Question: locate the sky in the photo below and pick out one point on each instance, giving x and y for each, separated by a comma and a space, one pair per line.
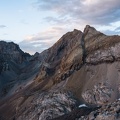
37, 24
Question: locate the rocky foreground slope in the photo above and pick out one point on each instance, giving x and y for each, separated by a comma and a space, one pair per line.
82, 67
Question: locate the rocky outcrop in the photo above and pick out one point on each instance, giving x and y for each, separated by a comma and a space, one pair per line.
100, 94
107, 55
99, 47
109, 111
48, 105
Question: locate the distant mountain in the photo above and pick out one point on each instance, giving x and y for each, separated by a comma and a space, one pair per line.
81, 68
13, 62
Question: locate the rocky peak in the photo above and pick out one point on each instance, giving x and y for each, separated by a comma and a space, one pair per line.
89, 28
11, 51
64, 46
75, 30
35, 57
7, 47
90, 32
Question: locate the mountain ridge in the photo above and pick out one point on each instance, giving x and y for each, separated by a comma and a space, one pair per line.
82, 67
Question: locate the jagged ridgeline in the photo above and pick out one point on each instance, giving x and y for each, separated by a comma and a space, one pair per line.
80, 68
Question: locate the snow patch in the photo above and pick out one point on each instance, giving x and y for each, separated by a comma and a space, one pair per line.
82, 105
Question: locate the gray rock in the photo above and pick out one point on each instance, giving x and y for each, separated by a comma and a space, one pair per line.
50, 105
100, 94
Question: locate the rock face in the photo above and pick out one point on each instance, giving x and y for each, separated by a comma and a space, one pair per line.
48, 105
64, 55
82, 67
100, 94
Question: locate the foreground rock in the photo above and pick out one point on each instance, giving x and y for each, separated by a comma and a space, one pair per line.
46, 106
109, 111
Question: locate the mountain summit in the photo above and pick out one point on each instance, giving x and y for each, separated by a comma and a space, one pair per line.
80, 68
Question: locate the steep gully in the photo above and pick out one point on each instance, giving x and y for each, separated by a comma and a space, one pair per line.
77, 66
83, 49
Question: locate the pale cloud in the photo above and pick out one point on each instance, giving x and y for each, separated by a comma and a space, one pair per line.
42, 40
117, 29
111, 29
70, 14
45, 35
20, 11
24, 22
104, 15
3, 26
5, 34
93, 11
